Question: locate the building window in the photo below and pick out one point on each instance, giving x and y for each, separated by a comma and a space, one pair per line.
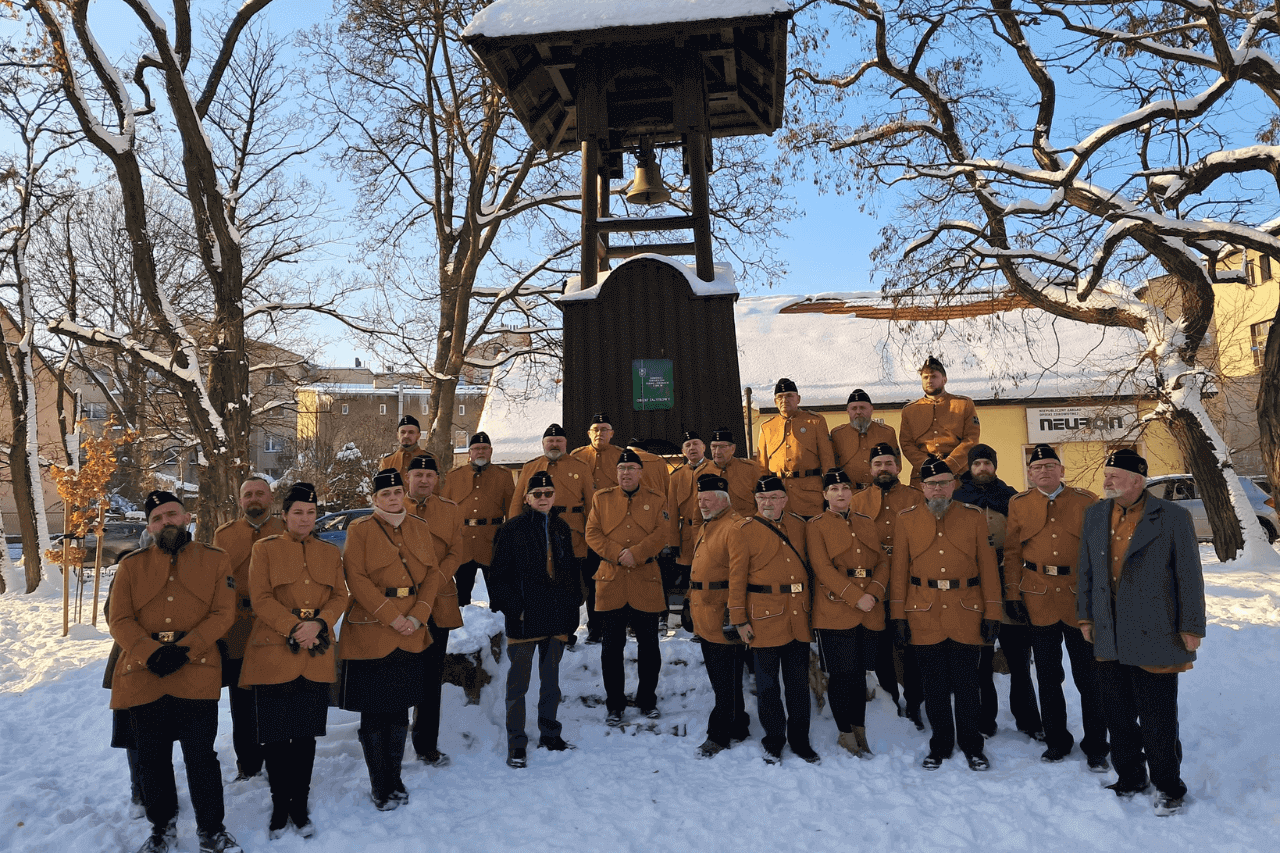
1258, 333
272, 378
1264, 267
95, 411
344, 408
424, 407
382, 408
459, 438
272, 445
462, 410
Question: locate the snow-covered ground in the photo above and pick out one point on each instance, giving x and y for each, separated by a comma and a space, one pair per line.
62, 788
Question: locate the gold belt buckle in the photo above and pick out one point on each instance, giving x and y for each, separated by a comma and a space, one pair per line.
167, 636
858, 573
1050, 570
793, 587
304, 613
946, 584
402, 591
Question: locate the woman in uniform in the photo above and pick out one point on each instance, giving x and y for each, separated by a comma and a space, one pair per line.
393, 577
298, 590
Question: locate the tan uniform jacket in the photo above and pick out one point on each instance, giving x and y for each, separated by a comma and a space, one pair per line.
286, 575
682, 504
484, 496
639, 523
742, 474
153, 593
847, 563
798, 445
379, 557
710, 568
572, 479
656, 474
603, 464
400, 459
852, 449
954, 549
445, 520
1047, 533
945, 425
237, 538
759, 558
884, 508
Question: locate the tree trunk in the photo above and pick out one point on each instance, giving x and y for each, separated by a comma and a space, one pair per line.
1268, 407
440, 439
1211, 485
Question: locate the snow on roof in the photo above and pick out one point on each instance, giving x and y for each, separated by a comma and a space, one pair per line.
724, 283
521, 404
1009, 355
535, 17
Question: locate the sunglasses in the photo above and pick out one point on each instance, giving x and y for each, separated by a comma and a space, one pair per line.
540, 494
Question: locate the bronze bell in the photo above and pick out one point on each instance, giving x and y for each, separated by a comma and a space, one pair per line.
647, 186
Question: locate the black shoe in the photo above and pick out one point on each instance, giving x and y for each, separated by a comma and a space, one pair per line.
1098, 764
279, 821
517, 758
978, 761
912, 713
710, 749
571, 642
807, 753
434, 758
1167, 805
1125, 790
614, 719
1037, 735
157, 842
933, 760
773, 755
989, 733
218, 842
653, 713
384, 804
555, 743
242, 776
1053, 755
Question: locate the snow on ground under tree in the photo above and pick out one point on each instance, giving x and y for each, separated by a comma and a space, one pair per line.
62, 788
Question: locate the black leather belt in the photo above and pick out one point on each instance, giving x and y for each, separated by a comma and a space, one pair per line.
400, 591
946, 584
304, 612
567, 509
858, 573
481, 522
795, 475
1052, 571
168, 637
783, 588
709, 585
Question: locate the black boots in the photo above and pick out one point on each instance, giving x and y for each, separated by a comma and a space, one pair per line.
383, 754
289, 765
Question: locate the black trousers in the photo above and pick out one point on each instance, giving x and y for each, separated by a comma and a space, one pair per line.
847, 655
465, 578
790, 726
950, 670
886, 671
1046, 642
550, 651
289, 765
244, 719
194, 724
1142, 714
588, 567
614, 641
426, 716
1015, 641
728, 720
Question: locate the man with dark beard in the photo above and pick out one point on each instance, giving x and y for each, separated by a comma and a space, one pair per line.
169, 605
938, 423
407, 434
980, 487
852, 442
237, 538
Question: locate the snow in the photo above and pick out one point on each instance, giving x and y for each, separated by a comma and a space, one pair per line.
519, 407
533, 17
724, 283
63, 788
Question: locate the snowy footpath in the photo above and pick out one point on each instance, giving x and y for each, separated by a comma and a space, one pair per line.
640, 788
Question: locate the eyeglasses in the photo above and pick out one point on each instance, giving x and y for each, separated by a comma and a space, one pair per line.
765, 496
1042, 466
542, 494
629, 469
936, 484
599, 429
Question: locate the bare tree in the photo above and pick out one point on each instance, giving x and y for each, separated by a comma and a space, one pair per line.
998, 179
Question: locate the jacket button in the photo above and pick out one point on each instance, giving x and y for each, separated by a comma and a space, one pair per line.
944, 607
130, 666
170, 577
306, 580
171, 598
167, 619
942, 569
942, 552
201, 660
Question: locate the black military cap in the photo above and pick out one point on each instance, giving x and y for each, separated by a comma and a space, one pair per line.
1041, 452
723, 434
785, 386
1127, 459
387, 478
857, 396
408, 420
884, 448
300, 493
930, 364
835, 477
630, 457
769, 483
601, 418
423, 462
712, 483
539, 480
983, 451
479, 438
690, 435
554, 431
159, 498
933, 466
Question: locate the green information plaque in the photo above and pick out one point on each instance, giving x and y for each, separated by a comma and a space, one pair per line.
652, 387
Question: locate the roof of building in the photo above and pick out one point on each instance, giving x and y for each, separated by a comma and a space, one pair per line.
536, 17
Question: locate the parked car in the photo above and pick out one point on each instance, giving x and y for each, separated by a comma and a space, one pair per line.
333, 527
1182, 489
121, 538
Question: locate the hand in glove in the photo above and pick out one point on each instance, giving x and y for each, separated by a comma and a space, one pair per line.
901, 632
167, 660
1017, 612
990, 630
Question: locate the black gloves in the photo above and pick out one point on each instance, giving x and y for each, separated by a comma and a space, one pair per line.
167, 660
322, 639
990, 630
1017, 612
901, 632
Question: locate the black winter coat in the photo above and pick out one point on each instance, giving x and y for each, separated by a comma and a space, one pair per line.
534, 603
